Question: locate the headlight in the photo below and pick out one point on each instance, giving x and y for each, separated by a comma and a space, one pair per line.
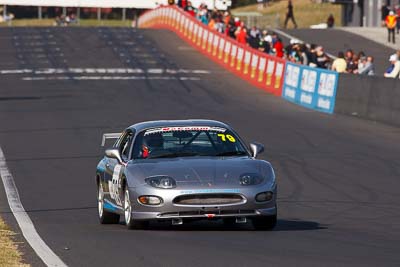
164, 182
250, 179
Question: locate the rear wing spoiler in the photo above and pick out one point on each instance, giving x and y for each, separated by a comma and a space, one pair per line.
109, 136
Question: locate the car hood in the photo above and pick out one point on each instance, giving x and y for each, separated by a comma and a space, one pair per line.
199, 171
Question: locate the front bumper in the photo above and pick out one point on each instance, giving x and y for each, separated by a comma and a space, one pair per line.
168, 210
203, 214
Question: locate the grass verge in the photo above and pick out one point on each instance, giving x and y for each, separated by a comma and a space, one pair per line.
9, 254
306, 13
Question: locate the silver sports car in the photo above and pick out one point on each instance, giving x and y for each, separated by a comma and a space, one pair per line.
184, 170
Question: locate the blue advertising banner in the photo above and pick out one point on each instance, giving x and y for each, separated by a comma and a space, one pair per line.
310, 87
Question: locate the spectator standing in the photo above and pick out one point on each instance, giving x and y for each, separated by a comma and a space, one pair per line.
303, 54
182, 4
290, 14
322, 58
254, 37
391, 22
231, 30
352, 67
278, 47
394, 68
211, 24
237, 22
362, 59
398, 18
312, 56
190, 9
367, 67
226, 18
203, 18
349, 60
339, 64
384, 13
330, 22
265, 44
241, 35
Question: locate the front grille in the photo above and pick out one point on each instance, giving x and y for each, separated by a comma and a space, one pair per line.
200, 213
208, 199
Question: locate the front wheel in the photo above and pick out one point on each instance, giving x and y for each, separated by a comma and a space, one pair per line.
265, 222
129, 221
105, 216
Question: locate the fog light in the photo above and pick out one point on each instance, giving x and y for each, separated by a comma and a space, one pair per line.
150, 200
264, 196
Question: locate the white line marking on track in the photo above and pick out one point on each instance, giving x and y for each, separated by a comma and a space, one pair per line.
23, 220
88, 78
102, 70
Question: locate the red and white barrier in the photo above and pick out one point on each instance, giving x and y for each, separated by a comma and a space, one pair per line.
260, 69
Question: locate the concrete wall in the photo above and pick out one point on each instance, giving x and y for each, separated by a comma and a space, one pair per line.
373, 98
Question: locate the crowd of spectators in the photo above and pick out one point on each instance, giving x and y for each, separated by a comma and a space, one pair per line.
270, 43
65, 20
351, 62
296, 51
265, 41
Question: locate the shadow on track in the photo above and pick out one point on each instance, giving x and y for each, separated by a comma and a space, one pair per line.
218, 225
13, 98
206, 225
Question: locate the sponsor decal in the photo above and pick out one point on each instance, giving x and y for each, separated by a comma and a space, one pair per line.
278, 74
261, 68
187, 128
254, 63
270, 71
115, 184
247, 59
110, 206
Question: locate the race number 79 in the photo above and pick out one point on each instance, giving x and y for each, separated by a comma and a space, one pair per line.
228, 137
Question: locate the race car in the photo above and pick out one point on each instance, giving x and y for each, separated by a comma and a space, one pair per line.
183, 170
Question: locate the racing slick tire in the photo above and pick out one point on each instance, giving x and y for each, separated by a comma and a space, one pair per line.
264, 222
105, 216
129, 221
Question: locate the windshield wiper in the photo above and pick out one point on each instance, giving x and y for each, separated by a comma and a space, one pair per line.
174, 155
231, 153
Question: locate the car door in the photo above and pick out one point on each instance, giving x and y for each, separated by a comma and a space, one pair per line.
115, 170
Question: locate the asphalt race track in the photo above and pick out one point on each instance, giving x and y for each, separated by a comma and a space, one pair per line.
338, 176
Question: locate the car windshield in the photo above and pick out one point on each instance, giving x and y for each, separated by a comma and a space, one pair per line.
170, 142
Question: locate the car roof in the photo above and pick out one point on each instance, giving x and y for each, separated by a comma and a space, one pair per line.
177, 123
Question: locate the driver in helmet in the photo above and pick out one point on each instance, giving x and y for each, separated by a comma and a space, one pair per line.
151, 143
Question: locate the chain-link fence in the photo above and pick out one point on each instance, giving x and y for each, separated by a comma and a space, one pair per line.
261, 21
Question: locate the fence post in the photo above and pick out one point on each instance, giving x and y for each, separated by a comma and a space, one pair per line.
4, 11
124, 14
39, 12
98, 13
136, 18
78, 15
277, 20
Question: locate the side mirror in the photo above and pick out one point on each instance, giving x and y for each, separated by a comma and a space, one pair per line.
114, 154
256, 148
